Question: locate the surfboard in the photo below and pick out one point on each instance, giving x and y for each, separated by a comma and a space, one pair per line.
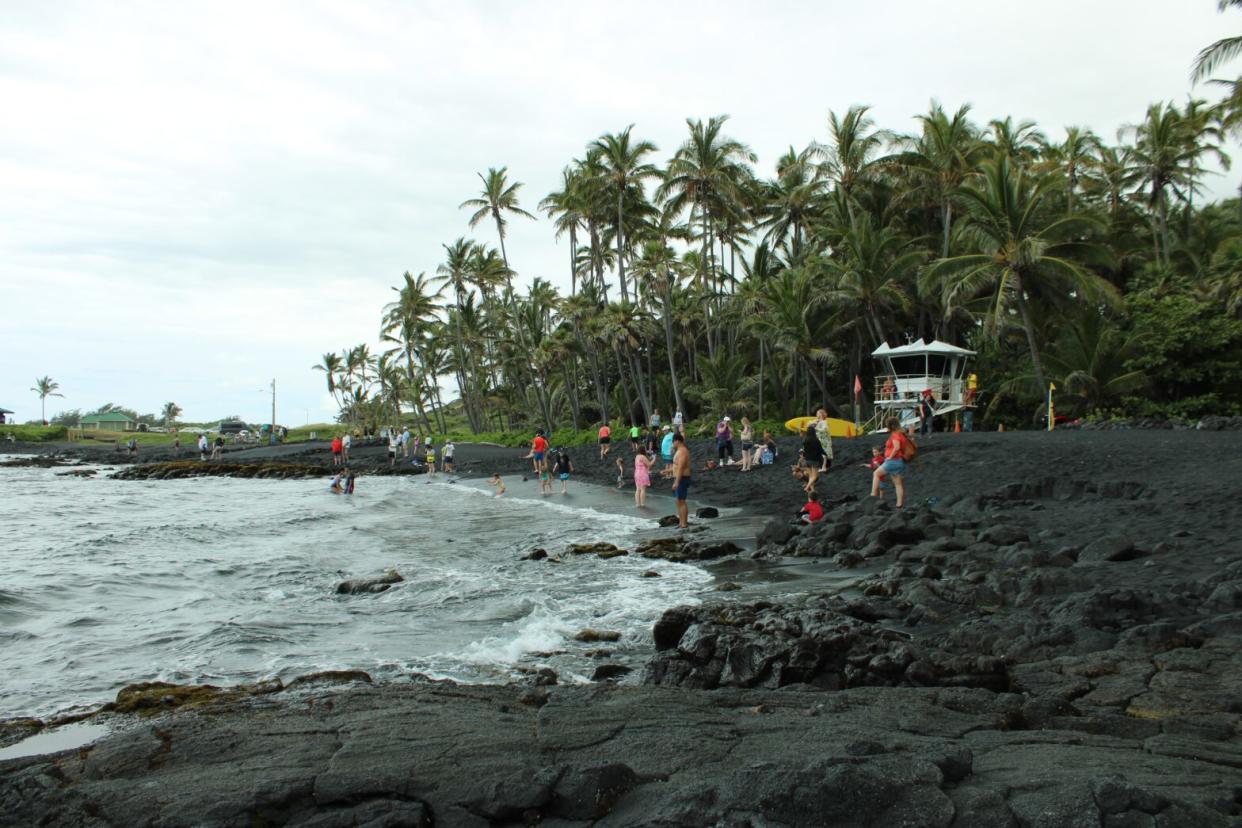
836, 427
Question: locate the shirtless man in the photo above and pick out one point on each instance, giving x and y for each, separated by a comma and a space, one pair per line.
681, 478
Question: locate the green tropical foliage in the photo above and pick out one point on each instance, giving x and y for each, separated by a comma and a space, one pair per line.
699, 282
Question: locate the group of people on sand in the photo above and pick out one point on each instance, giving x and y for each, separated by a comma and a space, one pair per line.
545, 463
888, 464
399, 443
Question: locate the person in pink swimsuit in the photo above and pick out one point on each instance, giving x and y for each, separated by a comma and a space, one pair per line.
642, 478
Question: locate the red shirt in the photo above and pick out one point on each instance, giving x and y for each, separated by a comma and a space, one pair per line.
604, 431
813, 511
540, 445
336, 445
875, 462
893, 448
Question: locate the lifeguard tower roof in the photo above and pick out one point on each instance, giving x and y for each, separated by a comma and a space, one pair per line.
918, 346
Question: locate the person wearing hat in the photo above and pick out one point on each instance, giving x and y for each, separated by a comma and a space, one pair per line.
724, 442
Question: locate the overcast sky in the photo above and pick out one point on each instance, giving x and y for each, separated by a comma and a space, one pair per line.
198, 197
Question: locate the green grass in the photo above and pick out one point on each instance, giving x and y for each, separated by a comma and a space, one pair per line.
33, 433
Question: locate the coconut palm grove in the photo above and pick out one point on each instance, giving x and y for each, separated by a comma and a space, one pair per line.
700, 282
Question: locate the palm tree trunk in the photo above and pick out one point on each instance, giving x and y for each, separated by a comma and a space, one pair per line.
621, 245
946, 218
668, 342
1025, 310
625, 386
573, 260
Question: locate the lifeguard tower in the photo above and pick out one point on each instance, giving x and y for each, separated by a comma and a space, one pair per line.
905, 372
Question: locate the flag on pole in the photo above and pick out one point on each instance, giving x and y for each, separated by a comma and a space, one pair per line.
857, 386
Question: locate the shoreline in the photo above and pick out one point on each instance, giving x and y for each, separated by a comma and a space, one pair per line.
1049, 632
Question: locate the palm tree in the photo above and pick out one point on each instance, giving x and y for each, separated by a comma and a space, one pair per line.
941, 157
790, 201
624, 169
45, 387
1078, 153
1019, 255
498, 197
1018, 142
869, 273
849, 156
170, 414
1222, 51
1163, 159
707, 176
567, 208
331, 366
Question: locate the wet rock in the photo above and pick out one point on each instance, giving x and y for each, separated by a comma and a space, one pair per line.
669, 520
535, 555
1108, 548
707, 512
590, 635
776, 532
651, 573
601, 549
364, 586
728, 586
607, 672
331, 677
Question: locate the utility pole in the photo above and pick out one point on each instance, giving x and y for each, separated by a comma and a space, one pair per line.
272, 434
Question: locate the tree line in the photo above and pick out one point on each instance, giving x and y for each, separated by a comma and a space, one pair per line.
699, 283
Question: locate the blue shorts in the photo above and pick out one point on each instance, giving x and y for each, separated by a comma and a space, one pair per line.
539, 457
893, 466
682, 488
564, 475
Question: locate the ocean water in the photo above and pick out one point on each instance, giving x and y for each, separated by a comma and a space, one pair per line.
217, 580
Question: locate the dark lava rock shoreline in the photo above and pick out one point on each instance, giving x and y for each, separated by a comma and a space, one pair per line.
1052, 637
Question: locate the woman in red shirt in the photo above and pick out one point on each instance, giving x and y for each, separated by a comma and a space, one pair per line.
894, 465
605, 440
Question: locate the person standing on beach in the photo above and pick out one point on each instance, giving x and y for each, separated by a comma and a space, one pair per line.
346, 443
927, 412
538, 452
405, 443
896, 450
823, 433
642, 479
564, 467
447, 462
605, 441
813, 455
748, 442
679, 422
635, 440
666, 446
654, 422
202, 447
431, 458
217, 447
336, 450
681, 479
724, 442
393, 440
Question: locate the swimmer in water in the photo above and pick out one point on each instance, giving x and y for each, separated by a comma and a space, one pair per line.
498, 483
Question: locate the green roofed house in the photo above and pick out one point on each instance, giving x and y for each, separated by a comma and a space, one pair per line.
111, 421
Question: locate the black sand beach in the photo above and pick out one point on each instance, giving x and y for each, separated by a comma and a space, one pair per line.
1049, 634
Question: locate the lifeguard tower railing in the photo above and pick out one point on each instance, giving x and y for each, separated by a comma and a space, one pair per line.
904, 373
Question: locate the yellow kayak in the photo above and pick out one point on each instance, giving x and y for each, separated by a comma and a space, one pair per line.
837, 428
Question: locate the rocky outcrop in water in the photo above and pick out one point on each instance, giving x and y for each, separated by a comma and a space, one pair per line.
369, 586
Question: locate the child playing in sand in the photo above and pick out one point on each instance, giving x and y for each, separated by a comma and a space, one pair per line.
498, 483
642, 479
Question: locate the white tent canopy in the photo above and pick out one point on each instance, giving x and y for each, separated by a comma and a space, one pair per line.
918, 347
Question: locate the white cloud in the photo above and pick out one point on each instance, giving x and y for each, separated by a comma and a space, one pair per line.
197, 197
